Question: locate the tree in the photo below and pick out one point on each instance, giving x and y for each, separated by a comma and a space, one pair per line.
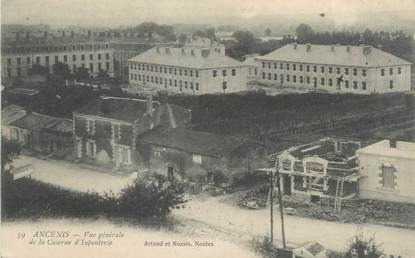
10, 150
81, 73
182, 39
103, 74
304, 33
39, 69
245, 43
267, 32
61, 70
151, 196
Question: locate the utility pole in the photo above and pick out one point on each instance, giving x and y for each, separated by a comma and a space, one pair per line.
272, 208
280, 203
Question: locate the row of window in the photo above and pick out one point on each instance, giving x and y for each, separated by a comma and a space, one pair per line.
161, 81
224, 72
74, 68
322, 69
164, 69
65, 59
21, 50
322, 81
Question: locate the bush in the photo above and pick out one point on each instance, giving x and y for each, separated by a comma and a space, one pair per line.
151, 196
364, 248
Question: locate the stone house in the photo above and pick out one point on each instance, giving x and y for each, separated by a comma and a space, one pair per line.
43, 134
204, 157
105, 130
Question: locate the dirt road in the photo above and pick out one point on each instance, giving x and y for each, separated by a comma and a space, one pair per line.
332, 235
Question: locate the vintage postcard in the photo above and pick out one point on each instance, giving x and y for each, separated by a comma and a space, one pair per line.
220, 128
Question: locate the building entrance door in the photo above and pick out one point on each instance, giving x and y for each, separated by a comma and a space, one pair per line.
170, 172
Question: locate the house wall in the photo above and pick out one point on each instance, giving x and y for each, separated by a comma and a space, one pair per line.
234, 83
31, 55
102, 136
158, 158
296, 74
170, 78
370, 185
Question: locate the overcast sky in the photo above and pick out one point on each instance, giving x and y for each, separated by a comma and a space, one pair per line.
125, 12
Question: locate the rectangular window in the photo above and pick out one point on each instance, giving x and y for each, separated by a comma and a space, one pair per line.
314, 68
294, 78
197, 86
275, 76
28, 60
363, 72
263, 76
346, 71
288, 77
294, 67
330, 82
322, 69
391, 84
185, 72
9, 61
287, 66
99, 56
330, 69
91, 67
354, 84
90, 126
73, 57
390, 71
107, 56
382, 72
233, 72
322, 81
269, 76
197, 73
18, 60
83, 57
214, 73
197, 159
346, 83
282, 66
399, 70
338, 70
38, 60
363, 85
301, 79
263, 64
307, 68
275, 65
91, 57
224, 73
301, 67
388, 177
107, 66
354, 71
308, 79
269, 65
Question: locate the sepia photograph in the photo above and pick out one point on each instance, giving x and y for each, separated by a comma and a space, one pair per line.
207, 128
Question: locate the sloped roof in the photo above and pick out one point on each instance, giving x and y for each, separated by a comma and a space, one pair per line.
61, 126
183, 57
190, 141
33, 121
124, 109
11, 113
361, 56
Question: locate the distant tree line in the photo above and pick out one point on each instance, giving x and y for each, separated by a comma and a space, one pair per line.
397, 43
147, 29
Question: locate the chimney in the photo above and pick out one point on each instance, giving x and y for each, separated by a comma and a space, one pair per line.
348, 49
27, 35
367, 50
295, 45
205, 52
332, 48
149, 104
308, 47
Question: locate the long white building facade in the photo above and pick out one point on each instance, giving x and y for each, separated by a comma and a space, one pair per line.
335, 68
188, 70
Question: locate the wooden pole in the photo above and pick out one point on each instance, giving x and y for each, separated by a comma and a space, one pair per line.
272, 208
281, 207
